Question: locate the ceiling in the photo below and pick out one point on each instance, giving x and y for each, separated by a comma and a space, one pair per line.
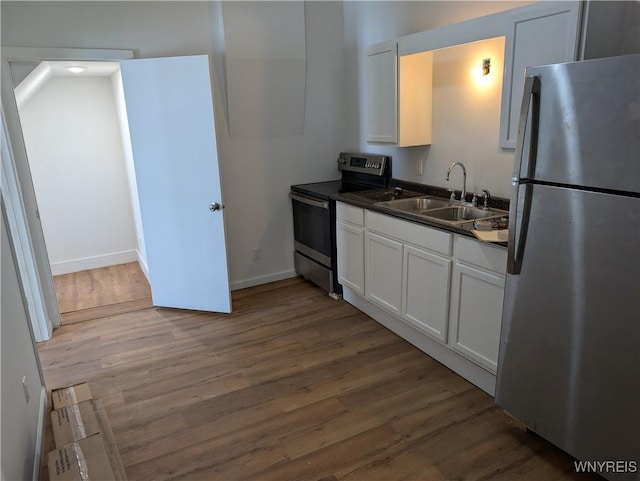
40, 75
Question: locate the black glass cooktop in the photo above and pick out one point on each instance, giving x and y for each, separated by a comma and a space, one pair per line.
323, 190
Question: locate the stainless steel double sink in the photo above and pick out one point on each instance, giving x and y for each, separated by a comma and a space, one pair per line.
440, 210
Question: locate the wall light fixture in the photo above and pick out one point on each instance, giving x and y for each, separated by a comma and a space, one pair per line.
486, 66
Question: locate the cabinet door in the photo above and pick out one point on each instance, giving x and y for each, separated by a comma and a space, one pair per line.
476, 314
546, 33
382, 93
415, 94
383, 257
425, 299
350, 251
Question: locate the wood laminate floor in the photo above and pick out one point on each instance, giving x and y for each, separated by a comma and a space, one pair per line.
291, 385
102, 292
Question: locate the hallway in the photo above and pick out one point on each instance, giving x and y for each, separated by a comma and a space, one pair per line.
102, 292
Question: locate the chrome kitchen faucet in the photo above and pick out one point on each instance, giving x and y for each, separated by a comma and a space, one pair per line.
463, 194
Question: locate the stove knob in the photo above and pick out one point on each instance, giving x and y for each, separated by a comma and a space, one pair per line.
342, 161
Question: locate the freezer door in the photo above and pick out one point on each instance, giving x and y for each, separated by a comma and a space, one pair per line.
588, 124
568, 364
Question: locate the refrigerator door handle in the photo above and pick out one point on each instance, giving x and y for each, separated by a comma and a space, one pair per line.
530, 98
518, 229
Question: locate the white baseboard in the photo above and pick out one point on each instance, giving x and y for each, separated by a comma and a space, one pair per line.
256, 281
143, 265
95, 262
42, 422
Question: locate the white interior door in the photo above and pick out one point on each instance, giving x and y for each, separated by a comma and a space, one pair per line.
173, 137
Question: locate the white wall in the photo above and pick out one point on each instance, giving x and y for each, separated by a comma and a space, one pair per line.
370, 22
127, 152
22, 421
256, 172
466, 119
73, 140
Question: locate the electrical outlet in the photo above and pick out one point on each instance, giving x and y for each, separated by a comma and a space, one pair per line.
419, 167
256, 253
25, 388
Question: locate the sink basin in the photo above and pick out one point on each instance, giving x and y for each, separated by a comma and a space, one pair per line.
416, 204
441, 210
459, 213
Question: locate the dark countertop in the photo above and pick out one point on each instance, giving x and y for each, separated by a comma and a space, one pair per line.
369, 199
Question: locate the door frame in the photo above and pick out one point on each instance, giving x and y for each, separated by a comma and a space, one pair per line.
18, 191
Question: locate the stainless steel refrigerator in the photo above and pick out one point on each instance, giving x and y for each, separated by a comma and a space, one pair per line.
569, 363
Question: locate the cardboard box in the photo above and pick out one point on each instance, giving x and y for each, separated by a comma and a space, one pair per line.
75, 422
67, 396
84, 460
79, 421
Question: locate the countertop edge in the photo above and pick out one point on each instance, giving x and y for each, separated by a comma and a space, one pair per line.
354, 199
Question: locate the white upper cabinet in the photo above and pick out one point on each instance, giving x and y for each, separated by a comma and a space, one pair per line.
398, 96
382, 97
415, 92
542, 34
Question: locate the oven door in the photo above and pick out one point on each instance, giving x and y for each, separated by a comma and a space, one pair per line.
312, 228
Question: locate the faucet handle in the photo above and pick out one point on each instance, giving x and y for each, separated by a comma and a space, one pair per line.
452, 194
486, 196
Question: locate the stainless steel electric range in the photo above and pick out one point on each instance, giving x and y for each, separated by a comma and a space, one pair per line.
314, 215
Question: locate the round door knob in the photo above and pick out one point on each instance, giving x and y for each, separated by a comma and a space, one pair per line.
215, 206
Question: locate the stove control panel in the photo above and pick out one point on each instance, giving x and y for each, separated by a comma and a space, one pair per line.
364, 163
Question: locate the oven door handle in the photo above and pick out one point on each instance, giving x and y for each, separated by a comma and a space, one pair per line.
323, 204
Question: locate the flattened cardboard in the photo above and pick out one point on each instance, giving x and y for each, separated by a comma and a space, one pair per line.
84, 460
67, 396
501, 235
75, 422
110, 441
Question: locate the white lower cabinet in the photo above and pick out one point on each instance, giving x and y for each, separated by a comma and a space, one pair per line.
438, 286
407, 271
350, 246
425, 300
476, 301
383, 271
476, 314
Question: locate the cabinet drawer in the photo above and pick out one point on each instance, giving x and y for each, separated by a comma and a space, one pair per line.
419, 235
349, 213
482, 254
